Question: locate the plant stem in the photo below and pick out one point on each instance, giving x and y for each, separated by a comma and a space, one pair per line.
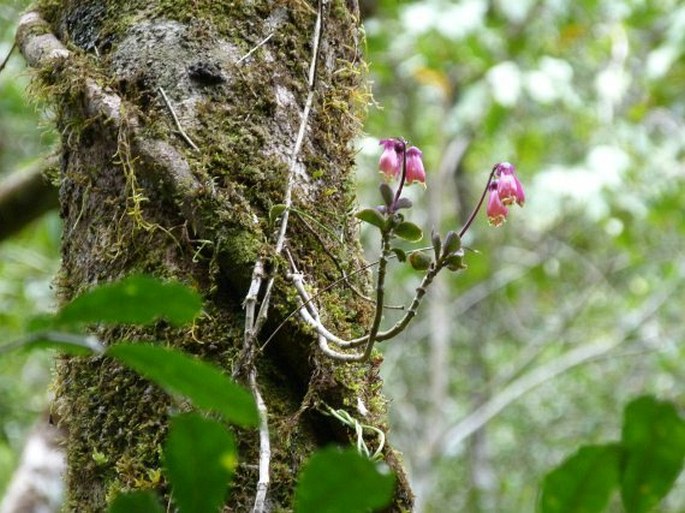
480, 204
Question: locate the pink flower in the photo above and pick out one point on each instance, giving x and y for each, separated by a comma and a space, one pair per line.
496, 210
509, 188
415, 170
391, 158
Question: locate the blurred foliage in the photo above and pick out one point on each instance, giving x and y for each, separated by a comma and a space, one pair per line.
585, 99
28, 262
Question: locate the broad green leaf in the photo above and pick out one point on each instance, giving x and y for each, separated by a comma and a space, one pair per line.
419, 261
338, 480
200, 457
135, 502
387, 193
136, 299
583, 483
201, 382
371, 216
409, 231
653, 439
275, 212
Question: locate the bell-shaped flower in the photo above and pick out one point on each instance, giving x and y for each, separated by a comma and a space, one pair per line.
415, 170
390, 163
496, 210
509, 188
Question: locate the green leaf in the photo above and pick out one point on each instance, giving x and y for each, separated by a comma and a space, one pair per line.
136, 299
437, 243
419, 261
653, 439
401, 255
371, 216
338, 480
455, 261
201, 382
388, 195
583, 483
135, 502
409, 231
451, 244
200, 457
275, 212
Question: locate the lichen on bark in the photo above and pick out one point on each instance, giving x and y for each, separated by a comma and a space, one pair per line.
135, 197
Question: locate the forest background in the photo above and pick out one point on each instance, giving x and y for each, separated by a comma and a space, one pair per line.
564, 315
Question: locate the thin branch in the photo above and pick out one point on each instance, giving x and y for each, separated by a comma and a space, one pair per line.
288, 200
264, 446
259, 45
185, 136
7, 57
253, 326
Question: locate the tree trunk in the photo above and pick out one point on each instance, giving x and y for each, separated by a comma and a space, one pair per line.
136, 196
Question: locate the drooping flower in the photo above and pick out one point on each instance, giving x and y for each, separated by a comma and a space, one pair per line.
509, 187
496, 210
415, 170
390, 162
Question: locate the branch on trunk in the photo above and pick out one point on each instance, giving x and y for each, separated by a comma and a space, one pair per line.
41, 49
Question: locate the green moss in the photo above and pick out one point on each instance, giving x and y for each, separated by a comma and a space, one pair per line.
120, 217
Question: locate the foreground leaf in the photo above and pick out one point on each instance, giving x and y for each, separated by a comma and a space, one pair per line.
134, 300
653, 439
70, 343
582, 483
202, 383
341, 481
135, 502
200, 457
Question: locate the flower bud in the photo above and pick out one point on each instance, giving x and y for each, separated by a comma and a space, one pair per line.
496, 210
509, 188
390, 162
415, 170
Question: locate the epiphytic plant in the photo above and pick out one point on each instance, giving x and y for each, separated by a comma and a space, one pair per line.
403, 162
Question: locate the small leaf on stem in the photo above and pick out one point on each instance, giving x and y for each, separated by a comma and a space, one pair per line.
275, 212
409, 231
451, 244
386, 192
437, 243
419, 261
403, 203
455, 261
401, 255
371, 216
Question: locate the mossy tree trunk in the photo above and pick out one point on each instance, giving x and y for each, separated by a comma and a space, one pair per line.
136, 197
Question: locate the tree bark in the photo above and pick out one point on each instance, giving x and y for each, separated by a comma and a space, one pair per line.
182, 188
